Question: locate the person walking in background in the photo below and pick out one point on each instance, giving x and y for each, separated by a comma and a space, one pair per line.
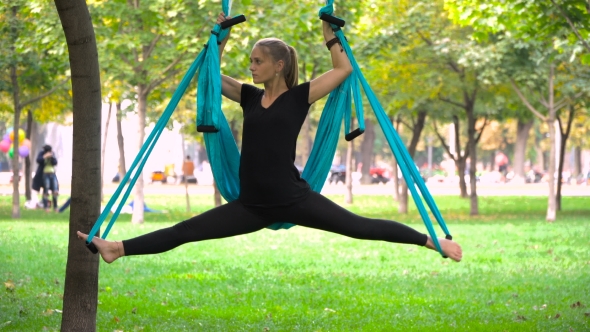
45, 177
502, 162
188, 169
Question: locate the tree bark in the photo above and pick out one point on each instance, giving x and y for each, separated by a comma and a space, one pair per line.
552, 203
416, 132
395, 165
16, 124
138, 202
563, 142
216, 195
81, 282
577, 160
349, 169
472, 146
367, 151
122, 169
522, 136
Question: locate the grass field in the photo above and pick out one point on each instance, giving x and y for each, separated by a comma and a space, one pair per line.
519, 273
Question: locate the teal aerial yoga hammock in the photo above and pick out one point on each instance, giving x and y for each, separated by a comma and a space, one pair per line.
222, 149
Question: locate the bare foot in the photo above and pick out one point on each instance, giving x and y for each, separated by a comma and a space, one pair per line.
108, 250
450, 248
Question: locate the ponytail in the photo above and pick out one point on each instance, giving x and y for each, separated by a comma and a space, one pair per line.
292, 73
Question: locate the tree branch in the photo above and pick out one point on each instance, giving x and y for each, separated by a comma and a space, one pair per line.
165, 74
442, 141
526, 102
406, 124
571, 24
451, 102
564, 101
41, 96
485, 122
148, 52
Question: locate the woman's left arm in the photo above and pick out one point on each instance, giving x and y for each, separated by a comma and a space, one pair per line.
329, 80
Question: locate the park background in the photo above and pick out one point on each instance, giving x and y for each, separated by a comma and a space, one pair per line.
460, 80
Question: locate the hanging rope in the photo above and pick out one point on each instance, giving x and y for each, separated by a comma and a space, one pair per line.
222, 148
405, 161
207, 59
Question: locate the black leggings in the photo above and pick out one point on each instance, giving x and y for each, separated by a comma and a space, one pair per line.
234, 218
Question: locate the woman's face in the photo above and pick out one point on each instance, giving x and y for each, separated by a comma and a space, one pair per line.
262, 66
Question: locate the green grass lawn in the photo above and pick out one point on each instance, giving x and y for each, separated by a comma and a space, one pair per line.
519, 273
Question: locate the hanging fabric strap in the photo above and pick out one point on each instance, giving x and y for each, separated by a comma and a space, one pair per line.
405, 161
202, 63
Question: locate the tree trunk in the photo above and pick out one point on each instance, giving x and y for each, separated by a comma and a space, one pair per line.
122, 169
563, 142
102, 152
577, 160
395, 165
349, 170
522, 136
540, 154
138, 202
461, 165
472, 147
16, 125
416, 132
460, 160
81, 281
216, 195
367, 151
28, 170
551, 204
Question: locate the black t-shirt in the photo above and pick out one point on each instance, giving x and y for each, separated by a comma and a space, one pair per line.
268, 176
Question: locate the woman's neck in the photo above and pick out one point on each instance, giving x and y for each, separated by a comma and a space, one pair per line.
275, 88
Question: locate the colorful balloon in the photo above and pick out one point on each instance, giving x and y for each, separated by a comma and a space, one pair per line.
23, 151
21, 135
6, 137
4, 145
10, 152
26, 143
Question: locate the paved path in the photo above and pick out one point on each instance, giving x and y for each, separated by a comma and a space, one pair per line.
537, 189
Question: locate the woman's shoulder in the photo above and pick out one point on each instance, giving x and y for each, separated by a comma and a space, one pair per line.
300, 91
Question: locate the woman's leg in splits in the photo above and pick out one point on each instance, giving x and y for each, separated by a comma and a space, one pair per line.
224, 221
319, 212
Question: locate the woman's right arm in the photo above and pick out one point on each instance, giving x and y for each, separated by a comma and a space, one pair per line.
230, 88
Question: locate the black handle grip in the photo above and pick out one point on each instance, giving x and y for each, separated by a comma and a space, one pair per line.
233, 21
332, 19
207, 129
92, 248
353, 134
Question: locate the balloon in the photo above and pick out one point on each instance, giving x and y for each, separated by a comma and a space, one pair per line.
10, 152
6, 137
4, 145
23, 151
9, 130
21, 135
26, 143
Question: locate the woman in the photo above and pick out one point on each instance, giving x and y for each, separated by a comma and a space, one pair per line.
45, 177
272, 191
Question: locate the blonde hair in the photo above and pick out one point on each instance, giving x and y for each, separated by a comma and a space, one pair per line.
279, 50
